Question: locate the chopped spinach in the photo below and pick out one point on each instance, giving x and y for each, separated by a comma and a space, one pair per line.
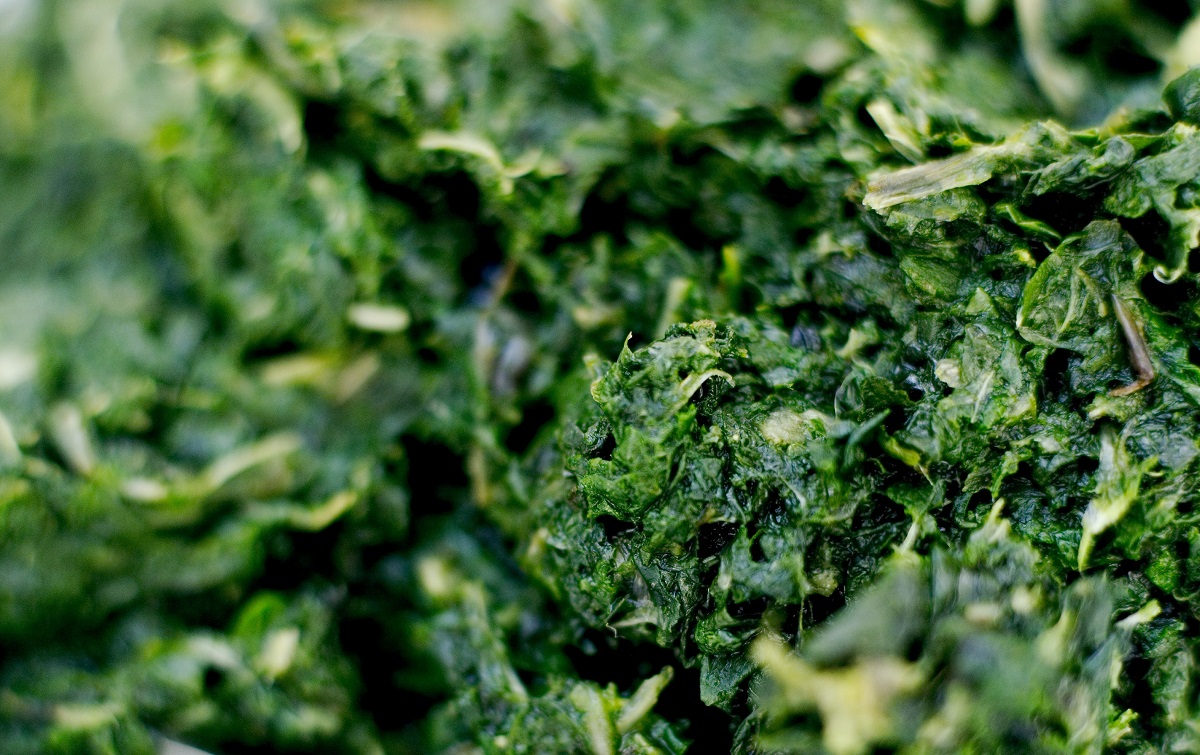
598, 376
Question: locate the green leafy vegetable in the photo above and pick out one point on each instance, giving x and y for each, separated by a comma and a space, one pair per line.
599, 377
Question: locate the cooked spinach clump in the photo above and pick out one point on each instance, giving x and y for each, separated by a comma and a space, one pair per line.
599, 377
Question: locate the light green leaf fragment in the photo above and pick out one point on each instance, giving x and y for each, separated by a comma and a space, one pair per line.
1035, 145
856, 341
1063, 82
144, 490
595, 717
949, 371
1117, 483
10, 450
278, 652
786, 426
71, 437
1146, 613
980, 12
322, 516
469, 144
1185, 53
83, 717
297, 369
643, 699
1120, 727
171, 747
692, 383
855, 702
677, 291
239, 460
970, 168
16, 368
907, 455
380, 318
437, 578
898, 128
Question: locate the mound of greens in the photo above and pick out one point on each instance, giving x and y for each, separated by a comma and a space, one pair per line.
599, 376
